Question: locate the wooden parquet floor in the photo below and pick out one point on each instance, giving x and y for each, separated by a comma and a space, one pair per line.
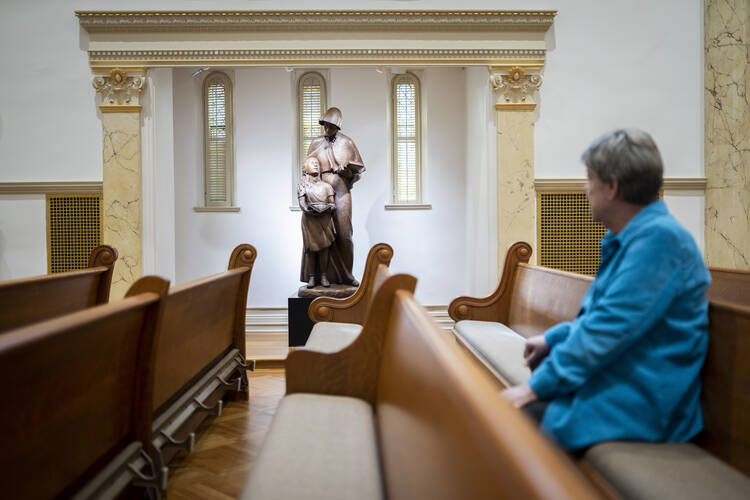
226, 446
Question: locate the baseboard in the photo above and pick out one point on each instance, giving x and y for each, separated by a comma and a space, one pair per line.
267, 330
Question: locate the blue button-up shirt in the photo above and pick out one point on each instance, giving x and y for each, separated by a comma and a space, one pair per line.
628, 367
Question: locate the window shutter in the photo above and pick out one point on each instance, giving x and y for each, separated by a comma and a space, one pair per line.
218, 168
406, 140
311, 104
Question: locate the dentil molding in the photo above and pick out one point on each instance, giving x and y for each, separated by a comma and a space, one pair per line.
333, 20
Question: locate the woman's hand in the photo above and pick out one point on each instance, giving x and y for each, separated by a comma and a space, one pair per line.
535, 351
520, 395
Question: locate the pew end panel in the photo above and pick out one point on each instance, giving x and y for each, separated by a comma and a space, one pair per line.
496, 306
28, 300
243, 255
353, 309
104, 256
444, 430
86, 421
352, 371
200, 354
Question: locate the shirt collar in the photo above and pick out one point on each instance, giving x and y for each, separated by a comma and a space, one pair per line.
634, 225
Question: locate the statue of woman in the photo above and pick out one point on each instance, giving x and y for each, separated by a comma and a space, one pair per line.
340, 166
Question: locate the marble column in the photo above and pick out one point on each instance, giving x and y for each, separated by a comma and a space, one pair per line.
121, 176
515, 89
727, 132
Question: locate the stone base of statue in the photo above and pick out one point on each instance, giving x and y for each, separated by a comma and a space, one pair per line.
300, 324
338, 291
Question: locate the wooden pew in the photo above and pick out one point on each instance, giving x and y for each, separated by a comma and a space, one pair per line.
339, 321
200, 354
28, 300
424, 411
76, 399
530, 299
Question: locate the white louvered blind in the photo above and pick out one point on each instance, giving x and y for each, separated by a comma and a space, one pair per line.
218, 140
406, 164
311, 104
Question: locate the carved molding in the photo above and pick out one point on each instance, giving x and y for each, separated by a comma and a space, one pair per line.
106, 58
515, 85
334, 20
120, 88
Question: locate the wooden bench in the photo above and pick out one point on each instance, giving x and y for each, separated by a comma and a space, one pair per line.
530, 299
200, 354
339, 321
29, 300
76, 399
399, 396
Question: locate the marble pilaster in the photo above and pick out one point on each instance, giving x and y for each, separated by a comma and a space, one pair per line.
727, 133
121, 176
515, 88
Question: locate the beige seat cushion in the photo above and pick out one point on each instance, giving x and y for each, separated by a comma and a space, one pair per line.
498, 345
331, 337
665, 471
318, 447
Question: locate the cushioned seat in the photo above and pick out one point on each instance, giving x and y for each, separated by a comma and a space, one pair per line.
647, 471
318, 447
331, 337
498, 345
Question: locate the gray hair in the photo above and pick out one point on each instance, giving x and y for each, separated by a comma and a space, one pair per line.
631, 157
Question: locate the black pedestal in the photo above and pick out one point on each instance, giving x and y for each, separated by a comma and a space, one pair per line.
300, 323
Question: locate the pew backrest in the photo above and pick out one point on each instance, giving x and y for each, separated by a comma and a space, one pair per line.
203, 320
725, 396
29, 300
77, 391
444, 430
354, 309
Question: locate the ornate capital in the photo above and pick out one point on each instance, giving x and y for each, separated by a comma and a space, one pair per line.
515, 85
120, 89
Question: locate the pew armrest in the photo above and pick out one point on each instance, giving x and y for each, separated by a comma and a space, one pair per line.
353, 309
496, 306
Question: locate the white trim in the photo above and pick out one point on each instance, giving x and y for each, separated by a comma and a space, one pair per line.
216, 209
578, 184
50, 187
408, 206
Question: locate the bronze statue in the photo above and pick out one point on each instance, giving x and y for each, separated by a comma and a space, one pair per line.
318, 234
340, 167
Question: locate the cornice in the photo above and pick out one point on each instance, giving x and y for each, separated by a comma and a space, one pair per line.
323, 20
670, 184
50, 187
101, 59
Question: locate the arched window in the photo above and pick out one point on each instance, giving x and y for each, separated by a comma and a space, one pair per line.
406, 140
311, 104
219, 148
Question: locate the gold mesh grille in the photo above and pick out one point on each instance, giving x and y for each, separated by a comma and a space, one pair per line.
568, 238
73, 230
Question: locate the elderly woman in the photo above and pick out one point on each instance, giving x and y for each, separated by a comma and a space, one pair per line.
627, 368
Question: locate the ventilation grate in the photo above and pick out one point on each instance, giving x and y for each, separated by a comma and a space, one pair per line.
568, 239
73, 230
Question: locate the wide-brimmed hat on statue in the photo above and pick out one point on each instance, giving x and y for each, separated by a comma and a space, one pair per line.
332, 116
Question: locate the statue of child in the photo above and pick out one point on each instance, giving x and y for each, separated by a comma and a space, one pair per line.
316, 199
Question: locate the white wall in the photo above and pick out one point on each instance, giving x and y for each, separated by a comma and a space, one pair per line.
610, 64
23, 236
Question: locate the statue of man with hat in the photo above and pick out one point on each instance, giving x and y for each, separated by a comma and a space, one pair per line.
340, 166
